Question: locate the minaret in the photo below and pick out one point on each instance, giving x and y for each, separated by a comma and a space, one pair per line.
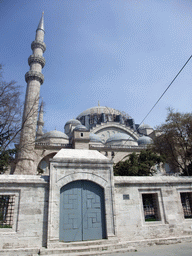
34, 79
40, 122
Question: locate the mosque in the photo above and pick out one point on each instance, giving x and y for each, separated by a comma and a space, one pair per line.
62, 196
105, 129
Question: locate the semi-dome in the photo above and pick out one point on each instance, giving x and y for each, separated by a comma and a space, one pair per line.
144, 140
119, 136
55, 134
121, 139
95, 138
80, 128
99, 110
73, 122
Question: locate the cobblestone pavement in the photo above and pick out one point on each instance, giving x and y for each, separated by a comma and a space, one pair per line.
180, 249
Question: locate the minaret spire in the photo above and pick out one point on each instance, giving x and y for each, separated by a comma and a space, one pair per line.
41, 23
34, 79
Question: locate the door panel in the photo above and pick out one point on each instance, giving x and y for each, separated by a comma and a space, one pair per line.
92, 211
70, 212
82, 212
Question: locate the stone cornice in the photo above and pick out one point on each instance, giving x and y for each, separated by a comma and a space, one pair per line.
120, 180
116, 148
34, 75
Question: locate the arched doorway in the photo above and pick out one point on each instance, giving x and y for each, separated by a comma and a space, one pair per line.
82, 212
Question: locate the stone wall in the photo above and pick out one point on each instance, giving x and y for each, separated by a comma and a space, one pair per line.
125, 215
170, 220
30, 211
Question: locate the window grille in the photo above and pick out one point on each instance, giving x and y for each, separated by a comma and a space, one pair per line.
186, 200
6, 210
150, 207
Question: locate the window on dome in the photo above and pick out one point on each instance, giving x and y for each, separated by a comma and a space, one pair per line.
81, 134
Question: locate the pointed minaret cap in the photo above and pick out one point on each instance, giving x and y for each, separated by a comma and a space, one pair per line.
41, 23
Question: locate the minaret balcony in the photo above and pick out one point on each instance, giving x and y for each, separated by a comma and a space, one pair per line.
37, 59
34, 75
38, 44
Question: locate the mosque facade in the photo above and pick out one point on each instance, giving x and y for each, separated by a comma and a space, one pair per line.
63, 198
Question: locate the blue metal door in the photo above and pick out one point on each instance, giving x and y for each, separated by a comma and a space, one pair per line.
82, 212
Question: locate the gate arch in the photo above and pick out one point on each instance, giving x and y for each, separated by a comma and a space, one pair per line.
82, 211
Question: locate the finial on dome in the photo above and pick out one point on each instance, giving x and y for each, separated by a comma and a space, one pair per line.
98, 103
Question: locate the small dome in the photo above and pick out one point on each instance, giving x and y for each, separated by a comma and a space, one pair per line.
145, 126
144, 140
81, 128
119, 137
55, 134
95, 138
73, 122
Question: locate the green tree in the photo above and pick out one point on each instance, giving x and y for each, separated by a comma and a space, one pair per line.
175, 141
138, 164
10, 120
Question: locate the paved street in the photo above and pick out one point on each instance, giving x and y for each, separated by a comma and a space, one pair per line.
181, 249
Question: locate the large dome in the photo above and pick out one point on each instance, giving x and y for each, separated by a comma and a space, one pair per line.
100, 115
99, 110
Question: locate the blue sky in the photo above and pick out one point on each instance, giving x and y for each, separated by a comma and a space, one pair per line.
121, 53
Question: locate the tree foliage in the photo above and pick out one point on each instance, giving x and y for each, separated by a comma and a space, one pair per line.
10, 120
175, 141
138, 164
